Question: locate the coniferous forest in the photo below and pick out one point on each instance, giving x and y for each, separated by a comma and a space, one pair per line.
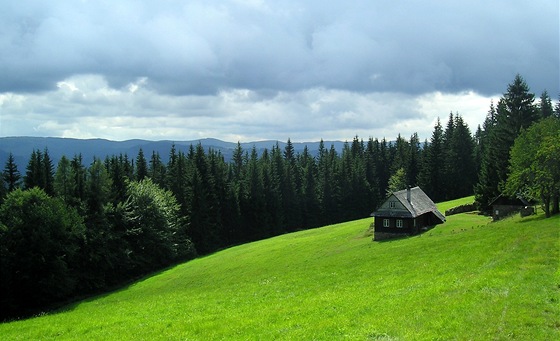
69, 230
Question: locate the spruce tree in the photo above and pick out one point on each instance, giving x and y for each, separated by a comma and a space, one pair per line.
48, 173
449, 170
515, 111
141, 170
34, 171
79, 174
203, 203
383, 166
545, 107
463, 167
401, 154
11, 175
371, 155
63, 180
311, 207
290, 183
253, 203
430, 177
271, 169
486, 188
156, 170
98, 190
414, 161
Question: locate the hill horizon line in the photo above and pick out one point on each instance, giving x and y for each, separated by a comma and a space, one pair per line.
21, 147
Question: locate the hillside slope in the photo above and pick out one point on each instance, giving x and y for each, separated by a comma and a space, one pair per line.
466, 279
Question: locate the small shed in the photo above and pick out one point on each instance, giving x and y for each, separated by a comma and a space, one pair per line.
503, 206
406, 212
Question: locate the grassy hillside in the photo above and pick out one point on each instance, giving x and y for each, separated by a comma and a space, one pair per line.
466, 279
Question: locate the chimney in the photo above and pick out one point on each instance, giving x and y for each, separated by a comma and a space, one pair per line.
408, 194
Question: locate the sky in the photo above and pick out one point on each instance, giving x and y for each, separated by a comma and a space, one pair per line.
250, 70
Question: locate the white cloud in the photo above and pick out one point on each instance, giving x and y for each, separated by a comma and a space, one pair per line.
86, 106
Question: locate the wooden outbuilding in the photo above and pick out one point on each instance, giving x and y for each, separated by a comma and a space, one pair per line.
406, 212
503, 206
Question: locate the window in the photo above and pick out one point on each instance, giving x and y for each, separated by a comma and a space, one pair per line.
385, 222
392, 204
399, 223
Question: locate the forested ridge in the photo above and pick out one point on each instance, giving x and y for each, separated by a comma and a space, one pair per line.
74, 229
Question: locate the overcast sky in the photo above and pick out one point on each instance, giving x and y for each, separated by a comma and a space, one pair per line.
247, 70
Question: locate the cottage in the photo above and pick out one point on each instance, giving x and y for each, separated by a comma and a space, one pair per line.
503, 206
405, 212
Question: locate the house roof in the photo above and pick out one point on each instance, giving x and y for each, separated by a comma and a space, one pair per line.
419, 204
517, 201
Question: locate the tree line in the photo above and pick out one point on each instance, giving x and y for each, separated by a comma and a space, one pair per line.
75, 229
519, 144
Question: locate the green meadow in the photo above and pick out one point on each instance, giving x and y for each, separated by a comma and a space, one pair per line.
468, 279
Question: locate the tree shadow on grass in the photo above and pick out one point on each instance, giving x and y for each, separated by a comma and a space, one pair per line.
538, 216
76, 301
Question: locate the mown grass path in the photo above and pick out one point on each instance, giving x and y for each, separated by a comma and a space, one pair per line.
466, 279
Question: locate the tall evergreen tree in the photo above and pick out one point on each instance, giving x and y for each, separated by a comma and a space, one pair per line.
329, 186
253, 202
449, 170
486, 187
141, 171
371, 155
401, 155
478, 149
11, 175
414, 161
463, 167
104, 257
290, 185
383, 165
311, 207
205, 209
120, 170
545, 107
40, 172
48, 173
431, 174
515, 111
79, 174
156, 170
63, 182
178, 174
34, 171
98, 190
278, 186
271, 164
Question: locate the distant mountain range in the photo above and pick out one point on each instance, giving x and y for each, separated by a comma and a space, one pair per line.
22, 147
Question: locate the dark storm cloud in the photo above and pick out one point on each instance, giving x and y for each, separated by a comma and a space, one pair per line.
186, 47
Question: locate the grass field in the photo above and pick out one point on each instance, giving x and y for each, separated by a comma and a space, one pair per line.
466, 279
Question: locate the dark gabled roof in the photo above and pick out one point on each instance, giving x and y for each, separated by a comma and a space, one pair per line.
419, 204
505, 200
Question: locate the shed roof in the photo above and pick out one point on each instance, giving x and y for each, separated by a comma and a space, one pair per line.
505, 200
419, 204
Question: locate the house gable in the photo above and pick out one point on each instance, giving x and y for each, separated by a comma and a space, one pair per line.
394, 207
405, 212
